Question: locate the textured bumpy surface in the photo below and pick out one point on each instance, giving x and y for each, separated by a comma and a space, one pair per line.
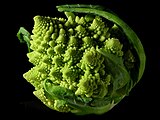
82, 64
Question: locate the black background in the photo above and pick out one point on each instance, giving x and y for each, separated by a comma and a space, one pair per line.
140, 16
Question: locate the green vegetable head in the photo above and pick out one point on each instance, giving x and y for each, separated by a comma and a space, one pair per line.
84, 63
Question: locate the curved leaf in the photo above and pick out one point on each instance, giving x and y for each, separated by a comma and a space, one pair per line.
79, 107
24, 37
116, 68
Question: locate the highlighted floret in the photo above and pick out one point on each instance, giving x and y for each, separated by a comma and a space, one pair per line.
114, 46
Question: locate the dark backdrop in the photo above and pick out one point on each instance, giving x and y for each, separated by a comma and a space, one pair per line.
143, 99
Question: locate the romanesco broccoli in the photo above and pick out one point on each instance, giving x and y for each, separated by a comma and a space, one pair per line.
80, 64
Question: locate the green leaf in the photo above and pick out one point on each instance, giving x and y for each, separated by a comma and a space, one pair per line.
115, 67
24, 37
78, 106
56, 91
81, 6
